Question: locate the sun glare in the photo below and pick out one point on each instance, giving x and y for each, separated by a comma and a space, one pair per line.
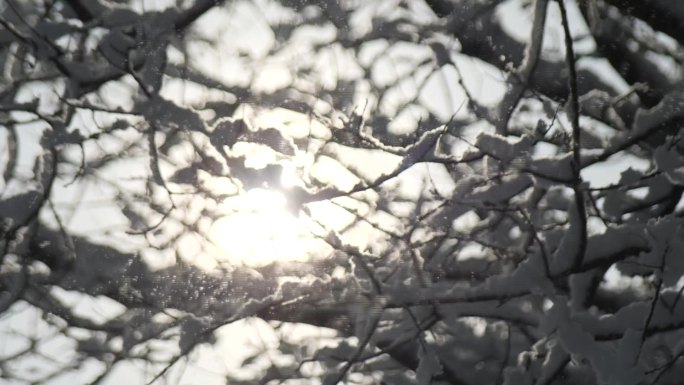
261, 230
258, 227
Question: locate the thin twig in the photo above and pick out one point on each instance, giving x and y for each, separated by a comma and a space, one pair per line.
575, 143
521, 77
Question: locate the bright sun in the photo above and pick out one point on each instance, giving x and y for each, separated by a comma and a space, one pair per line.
258, 228
262, 230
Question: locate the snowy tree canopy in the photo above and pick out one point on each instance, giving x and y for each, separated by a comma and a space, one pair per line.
358, 192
